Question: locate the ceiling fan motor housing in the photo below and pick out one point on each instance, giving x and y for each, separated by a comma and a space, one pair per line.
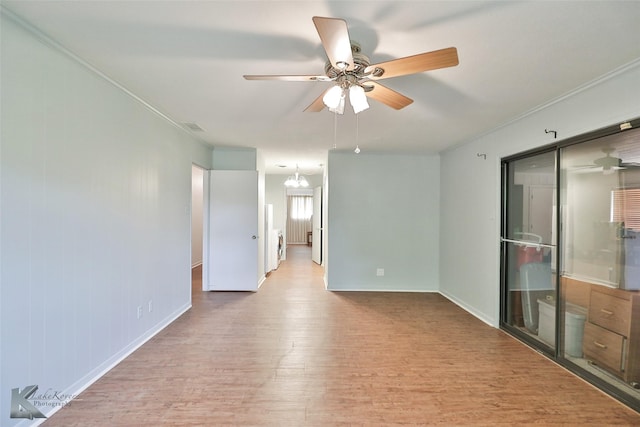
360, 60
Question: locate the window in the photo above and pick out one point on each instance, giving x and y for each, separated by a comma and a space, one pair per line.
625, 207
301, 207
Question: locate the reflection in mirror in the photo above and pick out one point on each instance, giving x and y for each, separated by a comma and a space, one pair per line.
600, 265
601, 209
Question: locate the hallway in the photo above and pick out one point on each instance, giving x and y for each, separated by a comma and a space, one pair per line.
295, 354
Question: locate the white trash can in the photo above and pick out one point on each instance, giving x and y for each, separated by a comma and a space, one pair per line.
574, 318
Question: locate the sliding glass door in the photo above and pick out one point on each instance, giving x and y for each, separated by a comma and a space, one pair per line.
600, 275
570, 256
528, 245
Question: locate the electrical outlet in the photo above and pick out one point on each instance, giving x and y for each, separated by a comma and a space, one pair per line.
380, 272
139, 311
150, 306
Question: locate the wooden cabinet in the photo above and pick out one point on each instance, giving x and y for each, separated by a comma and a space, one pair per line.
612, 332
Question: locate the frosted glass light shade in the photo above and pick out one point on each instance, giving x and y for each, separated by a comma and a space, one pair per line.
340, 108
358, 99
332, 97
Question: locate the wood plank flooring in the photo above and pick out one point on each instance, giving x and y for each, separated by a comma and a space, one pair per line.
293, 354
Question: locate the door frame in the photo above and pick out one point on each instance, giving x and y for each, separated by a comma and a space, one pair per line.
316, 226
207, 272
556, 355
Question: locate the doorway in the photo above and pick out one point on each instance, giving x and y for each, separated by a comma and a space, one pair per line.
303, 218
197, 227
276, 199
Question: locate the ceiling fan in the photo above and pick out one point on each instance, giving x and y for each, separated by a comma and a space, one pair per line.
607, 164
352, 71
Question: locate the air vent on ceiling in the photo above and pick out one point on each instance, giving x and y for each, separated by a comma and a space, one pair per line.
193, 127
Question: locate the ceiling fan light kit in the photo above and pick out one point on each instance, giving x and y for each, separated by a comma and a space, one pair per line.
334, 97
349, 69
339, 109
358, 99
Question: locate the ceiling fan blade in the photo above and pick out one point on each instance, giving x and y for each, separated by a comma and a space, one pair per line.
387, 96
317, 105
288, 78
414, 64
334, 36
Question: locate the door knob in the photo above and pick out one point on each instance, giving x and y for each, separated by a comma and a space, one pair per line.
254, 237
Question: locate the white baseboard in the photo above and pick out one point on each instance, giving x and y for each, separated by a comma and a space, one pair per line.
261, 280
197, 264
421, 291
95, 374
481, 316
486, 319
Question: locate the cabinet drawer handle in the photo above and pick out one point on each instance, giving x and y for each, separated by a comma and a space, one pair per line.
607, 312
597, 344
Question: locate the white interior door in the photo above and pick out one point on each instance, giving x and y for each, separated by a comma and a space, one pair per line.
316, 236
232, 258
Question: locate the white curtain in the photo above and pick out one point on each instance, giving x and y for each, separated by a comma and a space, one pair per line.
300, 210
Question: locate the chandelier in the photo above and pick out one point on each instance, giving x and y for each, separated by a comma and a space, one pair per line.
296, 180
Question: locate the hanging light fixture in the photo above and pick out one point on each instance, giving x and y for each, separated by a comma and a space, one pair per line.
358, 99
340, 108
296, 180
335, 97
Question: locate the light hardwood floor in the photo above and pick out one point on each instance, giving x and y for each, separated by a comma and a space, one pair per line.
294, 354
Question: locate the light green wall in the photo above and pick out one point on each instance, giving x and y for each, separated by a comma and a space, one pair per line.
225, 158
383, 213
470, 203
95, 196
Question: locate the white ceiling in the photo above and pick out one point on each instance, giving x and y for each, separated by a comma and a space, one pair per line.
187, 58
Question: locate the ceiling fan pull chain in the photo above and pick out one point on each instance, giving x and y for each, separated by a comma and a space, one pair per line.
335, 128
357, 150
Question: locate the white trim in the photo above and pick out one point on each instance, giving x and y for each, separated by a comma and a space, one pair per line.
417, 291
197, 264
98, 372
206, 214
261, 280
599, 80
470, 310
41, 36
